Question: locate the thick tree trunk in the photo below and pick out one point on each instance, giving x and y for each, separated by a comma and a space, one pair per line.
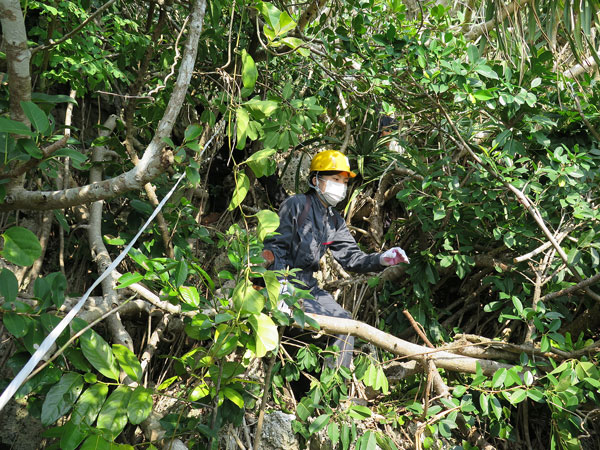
18, 56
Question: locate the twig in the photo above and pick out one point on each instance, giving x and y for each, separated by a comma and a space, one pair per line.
265, 397
417, 327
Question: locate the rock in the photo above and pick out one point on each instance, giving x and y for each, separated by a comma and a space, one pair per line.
277, 433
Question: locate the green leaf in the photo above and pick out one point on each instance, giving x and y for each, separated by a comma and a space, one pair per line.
473, 53
483, 94
234, 396
180, 274
262, 108
242, 120
140, 405
268, 221
498, 378
319, 423
17, 324
192, 132
517, 396
359, 412
71, 435
286, 23
77, 158
61, 397
98, 353
267, 335
249, 71
40, 97
9, 286
261, 154
270, 13
295, 44
127, 279
496, 407
246, 299
31, 148
190, 296
273, 287
113, 415
241, 190
89, 404
96, 442
36, 116
21, 246
333, 431
13, 127
128, 362
487, 72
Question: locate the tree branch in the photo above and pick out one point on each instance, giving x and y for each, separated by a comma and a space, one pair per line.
441, 358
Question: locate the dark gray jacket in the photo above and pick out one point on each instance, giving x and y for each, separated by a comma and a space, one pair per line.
303, 246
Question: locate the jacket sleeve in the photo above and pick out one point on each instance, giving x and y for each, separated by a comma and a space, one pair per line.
281, 243
346, 251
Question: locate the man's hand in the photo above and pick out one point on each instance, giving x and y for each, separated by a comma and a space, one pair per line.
393, 256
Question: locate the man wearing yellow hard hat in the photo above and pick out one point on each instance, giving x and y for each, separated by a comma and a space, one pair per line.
309, 225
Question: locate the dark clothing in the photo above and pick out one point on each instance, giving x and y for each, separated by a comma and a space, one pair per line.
302, 245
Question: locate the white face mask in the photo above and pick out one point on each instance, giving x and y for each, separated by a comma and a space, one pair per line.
334, 192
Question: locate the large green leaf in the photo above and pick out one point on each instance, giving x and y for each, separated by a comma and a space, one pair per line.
12, 126
267, 335
140, 405
246, 299
249, 72
319, 423
21, 246
268, 221
9, 286
241, 190
89, 404
128, 362
97, 351
17, 324
71, 435
37, 117
113, 415
61, 397
261, 108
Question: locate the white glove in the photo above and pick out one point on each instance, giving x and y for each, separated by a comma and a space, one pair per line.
282, 305
393, 256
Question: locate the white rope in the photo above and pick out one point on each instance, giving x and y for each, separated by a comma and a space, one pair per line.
45, 346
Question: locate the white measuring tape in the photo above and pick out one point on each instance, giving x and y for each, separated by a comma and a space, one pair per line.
45, 346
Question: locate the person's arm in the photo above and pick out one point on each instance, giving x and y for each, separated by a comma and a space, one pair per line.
346, 251
281, 243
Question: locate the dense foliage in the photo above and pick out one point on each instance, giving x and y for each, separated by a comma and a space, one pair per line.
474, 133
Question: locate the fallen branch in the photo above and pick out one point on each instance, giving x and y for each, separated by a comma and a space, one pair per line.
441, 358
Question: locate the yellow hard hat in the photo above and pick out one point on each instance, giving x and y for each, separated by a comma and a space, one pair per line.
331, 160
